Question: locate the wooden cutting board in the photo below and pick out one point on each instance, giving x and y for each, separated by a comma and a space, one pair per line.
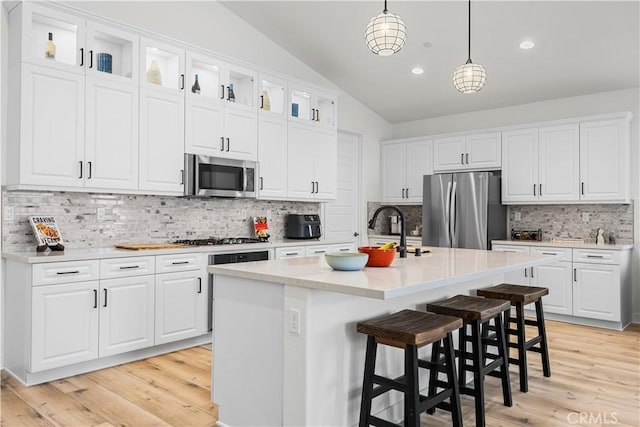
140, 246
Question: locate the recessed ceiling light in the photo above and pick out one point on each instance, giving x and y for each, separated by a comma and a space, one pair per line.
527, 44
427, 44
417, 71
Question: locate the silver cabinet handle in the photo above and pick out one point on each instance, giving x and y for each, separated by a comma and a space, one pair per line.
80, 177
467, 154
343, 250
181, 176
292, 253
582, 188
261, 183
462, 158
534, 190
129, 267
180, 262
407, 192
228, 143
199, 285
550, 253
89, 172
532, 276
575, 274
222, 143
105, 297
95, 298
595, 256
525, 273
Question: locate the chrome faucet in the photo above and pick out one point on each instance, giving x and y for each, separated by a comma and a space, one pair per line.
403, 229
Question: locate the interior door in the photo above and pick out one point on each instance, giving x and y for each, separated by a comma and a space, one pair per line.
342, 216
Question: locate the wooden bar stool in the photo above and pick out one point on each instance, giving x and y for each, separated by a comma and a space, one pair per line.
475, 312
519, 296
409, 330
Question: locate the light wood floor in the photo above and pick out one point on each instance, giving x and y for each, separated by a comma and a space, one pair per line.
595, 380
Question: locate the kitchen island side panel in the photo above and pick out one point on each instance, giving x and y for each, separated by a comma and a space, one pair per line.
247, 368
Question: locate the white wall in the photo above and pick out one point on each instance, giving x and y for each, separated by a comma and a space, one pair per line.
599, 103
3, 138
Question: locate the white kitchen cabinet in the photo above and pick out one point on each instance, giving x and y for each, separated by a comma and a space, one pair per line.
596, 291
72, 108
317, 250
50, 128
403, 167
540, 164
585, 283
161, 142
312, 160
556, 277
291, 252
241, 134
311, 106
605, 159
558, 162
126, 314
111, 137
461, 152
180, 306
272, 157
181, 295
64, 324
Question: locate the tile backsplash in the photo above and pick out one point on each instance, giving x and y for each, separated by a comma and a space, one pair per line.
567, 221
554, 220
139, 219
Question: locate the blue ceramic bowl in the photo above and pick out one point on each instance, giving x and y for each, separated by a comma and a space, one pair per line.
346, 261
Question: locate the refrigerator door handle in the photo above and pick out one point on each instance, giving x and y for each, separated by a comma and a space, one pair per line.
447, 213
452, 213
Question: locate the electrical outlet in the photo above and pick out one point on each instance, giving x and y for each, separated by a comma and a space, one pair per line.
294, 321
9, 213
518, 216
243, 214
585, 216
101, 214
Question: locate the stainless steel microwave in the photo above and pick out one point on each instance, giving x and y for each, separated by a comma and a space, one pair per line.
217, 177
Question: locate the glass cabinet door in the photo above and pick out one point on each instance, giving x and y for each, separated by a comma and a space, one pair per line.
241, 87
52, 39
325, 106
161, 66
111, 52
300, 104
272, 98
209, 74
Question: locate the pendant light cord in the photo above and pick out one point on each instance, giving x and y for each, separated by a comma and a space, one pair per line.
385, 7
469, 56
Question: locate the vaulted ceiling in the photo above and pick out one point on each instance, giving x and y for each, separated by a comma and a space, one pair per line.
581, 47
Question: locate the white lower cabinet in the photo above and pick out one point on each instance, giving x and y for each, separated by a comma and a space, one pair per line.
64, 324
181, 297
596, 293
585, 283
291, 252
126, 314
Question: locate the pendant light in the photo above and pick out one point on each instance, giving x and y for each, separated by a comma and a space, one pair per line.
470, 77
386, 33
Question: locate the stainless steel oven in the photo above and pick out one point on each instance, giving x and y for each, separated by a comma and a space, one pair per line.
217, 177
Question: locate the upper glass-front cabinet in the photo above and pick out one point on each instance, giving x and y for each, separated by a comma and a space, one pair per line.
208, 73
162, 66
273, 95
308, 105
111, 52
51, 38
69, 43
241, 87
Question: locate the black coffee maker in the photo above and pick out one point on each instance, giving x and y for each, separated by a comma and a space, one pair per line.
302, 226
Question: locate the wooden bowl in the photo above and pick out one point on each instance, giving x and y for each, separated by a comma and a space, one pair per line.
378, 257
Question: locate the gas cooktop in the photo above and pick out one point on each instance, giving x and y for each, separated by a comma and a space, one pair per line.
217, 241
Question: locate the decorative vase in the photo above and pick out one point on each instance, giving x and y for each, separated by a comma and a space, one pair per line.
266, 101
153, 73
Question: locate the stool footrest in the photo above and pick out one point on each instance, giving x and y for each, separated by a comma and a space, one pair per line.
386, 384
529, 344
379, 422
438, 366
530, 322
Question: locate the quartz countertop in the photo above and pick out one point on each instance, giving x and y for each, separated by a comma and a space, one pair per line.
548, 243
406, 276
30, 256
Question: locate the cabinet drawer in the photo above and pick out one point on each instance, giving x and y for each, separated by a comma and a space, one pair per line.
510, 248
178, 262
290, 252
565, 252
596, 256
347, 247
126, 267
65, 272
317, 250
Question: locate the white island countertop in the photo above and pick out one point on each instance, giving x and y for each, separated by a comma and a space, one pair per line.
406, 276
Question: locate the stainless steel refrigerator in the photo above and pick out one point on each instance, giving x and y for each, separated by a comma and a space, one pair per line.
463, 210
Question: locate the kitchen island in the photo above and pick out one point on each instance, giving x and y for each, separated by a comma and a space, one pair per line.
286, 350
